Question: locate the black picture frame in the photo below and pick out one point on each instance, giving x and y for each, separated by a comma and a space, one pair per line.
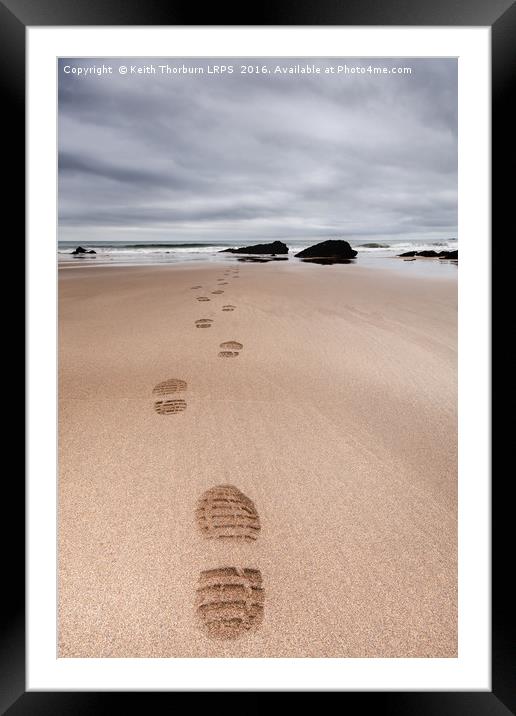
500, 15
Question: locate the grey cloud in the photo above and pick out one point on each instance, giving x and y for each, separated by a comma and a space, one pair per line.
75, 164
250, 156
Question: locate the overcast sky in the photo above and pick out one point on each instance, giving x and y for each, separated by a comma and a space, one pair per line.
244, 156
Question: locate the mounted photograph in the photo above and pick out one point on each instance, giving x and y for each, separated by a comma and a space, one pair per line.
257, 357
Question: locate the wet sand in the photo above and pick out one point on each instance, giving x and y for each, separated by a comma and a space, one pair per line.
337, 419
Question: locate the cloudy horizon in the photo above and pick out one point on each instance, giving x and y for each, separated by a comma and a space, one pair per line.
254, 157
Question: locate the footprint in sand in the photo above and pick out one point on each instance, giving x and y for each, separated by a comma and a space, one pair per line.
225, 512
192, 287
203, 298
230, 349
167, 405
229, 307
203, 323
217, 291
229, 601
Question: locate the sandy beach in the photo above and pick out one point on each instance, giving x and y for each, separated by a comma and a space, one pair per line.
336, 419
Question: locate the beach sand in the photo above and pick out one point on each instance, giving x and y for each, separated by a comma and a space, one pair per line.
337, 418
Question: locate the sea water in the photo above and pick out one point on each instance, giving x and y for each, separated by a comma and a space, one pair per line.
137, 253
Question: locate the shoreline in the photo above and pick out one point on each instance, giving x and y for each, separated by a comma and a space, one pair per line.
422, 267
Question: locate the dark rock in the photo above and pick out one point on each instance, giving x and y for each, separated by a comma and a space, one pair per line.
276, 247
80, 250
431, 254
334, 248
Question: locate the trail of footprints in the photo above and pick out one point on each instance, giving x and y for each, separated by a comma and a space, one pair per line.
229, 599
229, 349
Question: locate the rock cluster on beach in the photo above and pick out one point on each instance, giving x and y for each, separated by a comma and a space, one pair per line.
81, 250
432, 254
333, 248
276, 247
